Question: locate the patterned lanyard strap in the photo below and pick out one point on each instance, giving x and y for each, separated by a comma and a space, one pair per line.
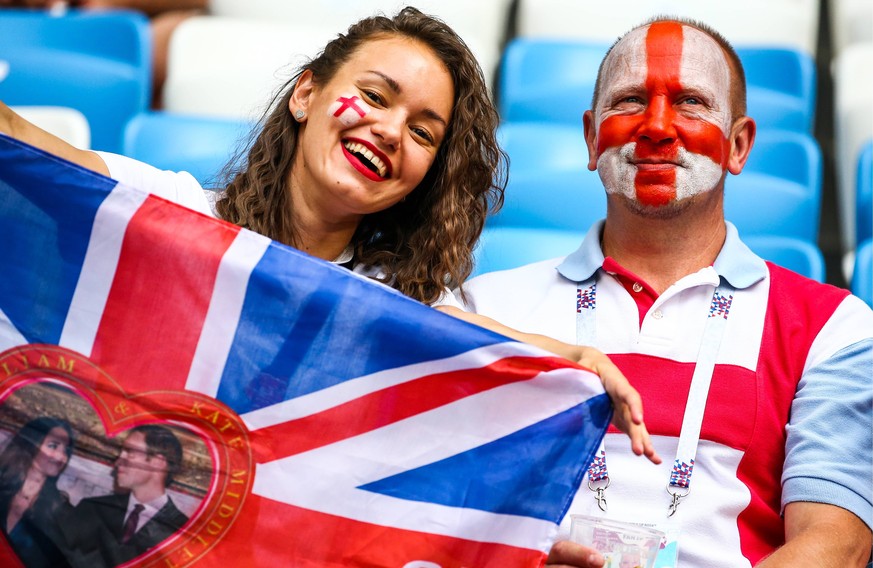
680, 477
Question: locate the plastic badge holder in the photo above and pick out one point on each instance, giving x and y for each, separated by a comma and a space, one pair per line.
623, 545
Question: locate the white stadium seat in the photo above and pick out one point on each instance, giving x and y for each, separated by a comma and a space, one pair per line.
784, 23
851, 22
66, 123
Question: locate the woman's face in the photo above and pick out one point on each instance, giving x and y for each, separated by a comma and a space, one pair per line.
372, 132
52, 456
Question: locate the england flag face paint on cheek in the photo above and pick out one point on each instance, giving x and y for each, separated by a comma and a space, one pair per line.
664, 115
349, 109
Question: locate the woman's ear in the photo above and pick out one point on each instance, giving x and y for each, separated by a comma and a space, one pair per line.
298, 104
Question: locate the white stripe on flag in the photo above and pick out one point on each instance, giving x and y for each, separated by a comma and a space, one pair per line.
98, 269
225, 307
327, 478
9, 335
346, 391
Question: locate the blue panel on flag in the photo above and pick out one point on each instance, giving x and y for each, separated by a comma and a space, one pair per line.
487, 477
45, 235
309, 325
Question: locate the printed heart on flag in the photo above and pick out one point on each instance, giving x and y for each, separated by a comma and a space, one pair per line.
121, 444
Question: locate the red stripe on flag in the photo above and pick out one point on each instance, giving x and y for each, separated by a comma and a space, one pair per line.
389, 405
291, 536
149, 332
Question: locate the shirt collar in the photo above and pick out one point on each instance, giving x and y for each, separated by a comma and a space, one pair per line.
736, 263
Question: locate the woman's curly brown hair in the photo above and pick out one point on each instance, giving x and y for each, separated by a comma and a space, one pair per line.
424, 243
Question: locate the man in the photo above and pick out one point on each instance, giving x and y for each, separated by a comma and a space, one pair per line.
756, 379
113, 529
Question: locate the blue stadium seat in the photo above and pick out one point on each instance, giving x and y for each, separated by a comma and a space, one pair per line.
779, 190
98, 63
862, 277
549, 186
549, 183
553, 80
798, 255
200, 146
864, 208
502, 248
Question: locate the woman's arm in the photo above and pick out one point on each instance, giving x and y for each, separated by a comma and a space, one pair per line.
17, 127
628, 406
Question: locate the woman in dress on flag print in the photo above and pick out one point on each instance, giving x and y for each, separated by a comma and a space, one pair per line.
379, 155
30, 502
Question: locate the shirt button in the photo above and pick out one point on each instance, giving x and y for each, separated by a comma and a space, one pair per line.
637, 287
657, 314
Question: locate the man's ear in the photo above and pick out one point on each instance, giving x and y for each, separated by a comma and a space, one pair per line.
302, 92
742, 138
590, 138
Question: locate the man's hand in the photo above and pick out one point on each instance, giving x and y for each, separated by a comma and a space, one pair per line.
566, 554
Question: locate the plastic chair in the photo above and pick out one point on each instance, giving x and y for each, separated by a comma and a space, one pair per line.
862, 277
779, 190
231, 68
95, 62
553, 80
853, 127
865, 193
783, 23
851, 22
67, 123
798, 255
502, 248
482, 23
198, 145
549, 184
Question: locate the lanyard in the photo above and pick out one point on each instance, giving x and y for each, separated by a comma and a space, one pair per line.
679, 485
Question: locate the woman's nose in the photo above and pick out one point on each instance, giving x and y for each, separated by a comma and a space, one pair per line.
388, 126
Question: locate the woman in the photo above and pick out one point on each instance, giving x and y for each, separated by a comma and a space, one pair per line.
30, 502
380, 155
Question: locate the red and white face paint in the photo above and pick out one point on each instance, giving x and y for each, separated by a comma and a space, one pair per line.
663, 116
349, 109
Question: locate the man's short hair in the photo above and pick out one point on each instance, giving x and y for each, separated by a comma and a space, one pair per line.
161, 441
738, 75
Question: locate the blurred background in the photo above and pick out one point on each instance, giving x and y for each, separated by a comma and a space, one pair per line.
180, 83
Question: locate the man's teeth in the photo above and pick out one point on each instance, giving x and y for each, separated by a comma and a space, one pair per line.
362, 150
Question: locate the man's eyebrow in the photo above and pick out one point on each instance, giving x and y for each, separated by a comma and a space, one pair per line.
395, 86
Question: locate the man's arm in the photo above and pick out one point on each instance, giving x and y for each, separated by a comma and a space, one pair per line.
822, 536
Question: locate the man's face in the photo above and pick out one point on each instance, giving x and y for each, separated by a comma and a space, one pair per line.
135, 467
660, 132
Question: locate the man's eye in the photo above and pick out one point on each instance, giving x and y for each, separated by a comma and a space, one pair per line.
692, 101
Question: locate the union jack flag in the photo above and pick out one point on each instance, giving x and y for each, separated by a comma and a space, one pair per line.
380, 432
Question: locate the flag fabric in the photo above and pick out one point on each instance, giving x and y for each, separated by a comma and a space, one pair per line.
341, 423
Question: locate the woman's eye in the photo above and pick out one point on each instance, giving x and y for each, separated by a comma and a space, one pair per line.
373, 96
422, 133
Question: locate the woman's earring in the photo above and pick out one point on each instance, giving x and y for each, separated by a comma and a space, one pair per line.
299, 114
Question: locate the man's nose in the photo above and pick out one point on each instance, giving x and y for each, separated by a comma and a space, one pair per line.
658, 121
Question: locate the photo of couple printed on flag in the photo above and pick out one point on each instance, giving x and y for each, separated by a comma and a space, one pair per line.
71, 495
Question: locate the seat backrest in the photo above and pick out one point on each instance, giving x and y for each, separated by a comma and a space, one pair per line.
98, 63
66, 123
853, 127
865, 193
230, 67
798, 255
202, 146
851, 22
862, 277
548, 79
782, 23
502, 248
549, 185
482, 24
